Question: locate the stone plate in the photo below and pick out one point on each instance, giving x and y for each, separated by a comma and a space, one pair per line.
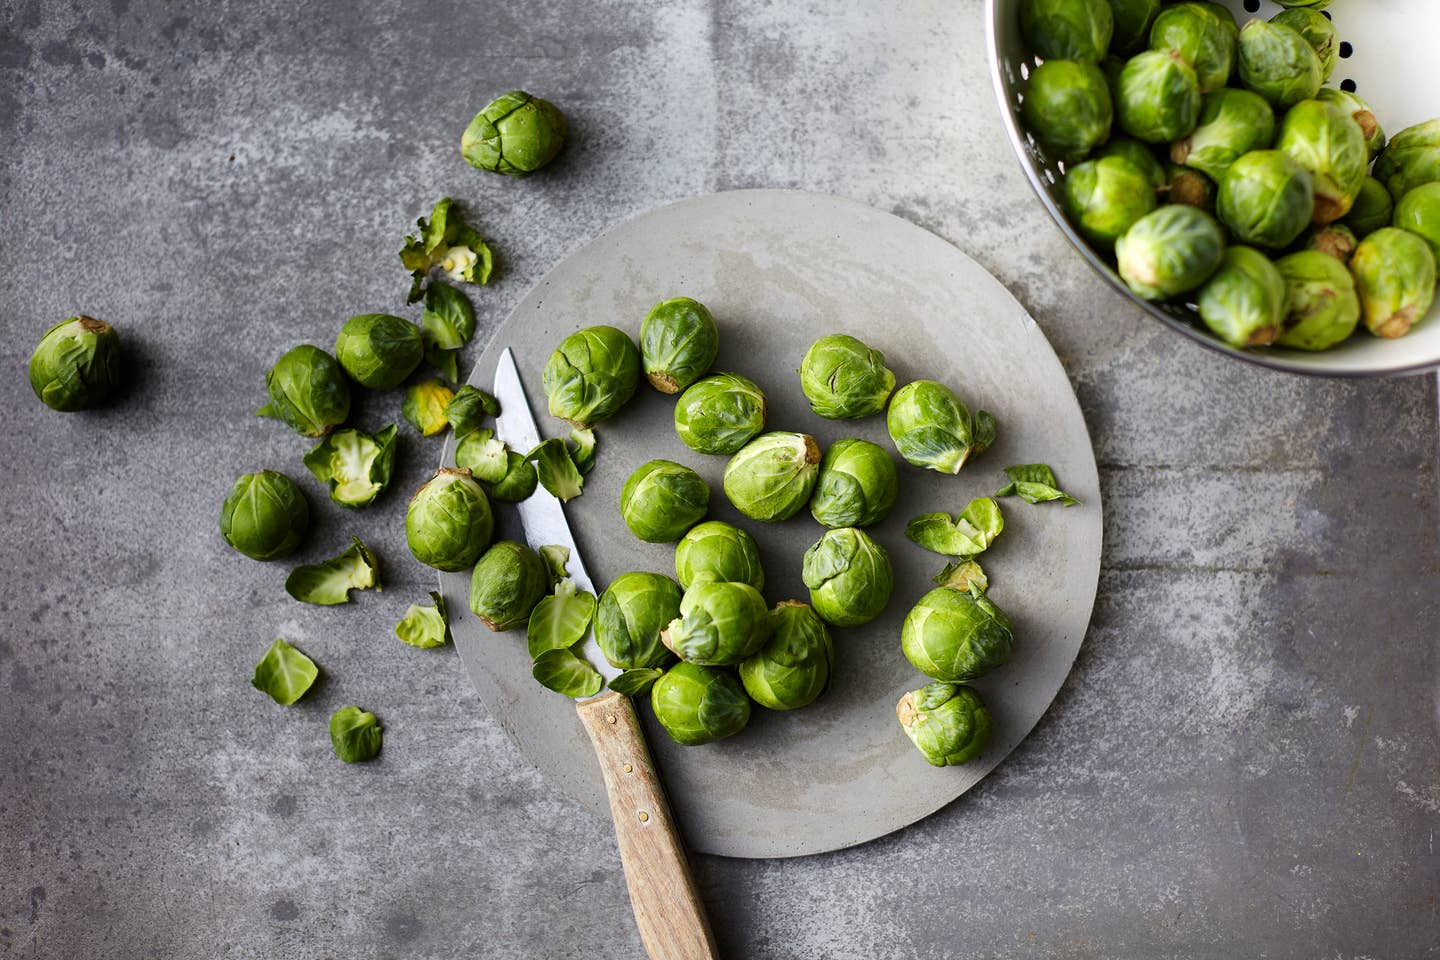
778, 269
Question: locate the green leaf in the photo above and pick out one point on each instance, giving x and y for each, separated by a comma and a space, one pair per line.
486, 458
982, 432
448, 322
331, 582
557, 470
425, 405
356, 465
448, 242
583, 455
466, 411
555, 557
355, 734
284, 673
560, 620
519, 481
963, 575
1034, 483
632, 683
564, 672
446, 362
425, 626
966, 535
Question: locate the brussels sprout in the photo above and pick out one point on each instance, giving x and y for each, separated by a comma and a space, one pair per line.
844, 379
1310, 4
930, 426
955, 636
697, 704
76, 365
1034, 483
1132, 25
1104, 197
1321, 307
487, 458
1159, 97
518, 483
1336, 239
719, 623
1141, 155
516, 134
849, 577
425, 625
1232, 123
1266, 198
448, 242
963, 575
562, 671
356, 465
716, 551
857, 485
1372, 209
1323, 139
772, 476
355, 734
1419, 212
1361, 113
330, 582
284, 673
1278, 63
265, 516
507, 583
448, 523
947, 722
556, 558
1412, 158
582, 454
556, 469
1204, 41
378, 350
1318, 31
662, 499
967, 535
1067, 29
678, 343
1244, 302
1190, 187
425, 405
1170, 251
591, 375
468, 408
634, 610
794, 666
559, 621
720, 414
1067, 106
307, 391
1394, 273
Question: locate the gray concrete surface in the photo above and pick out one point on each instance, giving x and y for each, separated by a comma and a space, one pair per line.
1244, 762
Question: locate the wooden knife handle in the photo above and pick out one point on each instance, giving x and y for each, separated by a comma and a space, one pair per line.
668, 911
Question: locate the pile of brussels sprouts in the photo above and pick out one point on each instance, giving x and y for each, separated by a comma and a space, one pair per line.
1212, 163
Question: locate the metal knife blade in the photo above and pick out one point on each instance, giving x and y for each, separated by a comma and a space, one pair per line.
542, 514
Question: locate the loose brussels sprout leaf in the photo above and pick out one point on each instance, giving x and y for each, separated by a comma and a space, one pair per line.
1034, 483
356, 465
448, 322
516, 134
265, 516
379, 350
591, 375
555, 557
560, 620
556, 469
678, 343
76, 365
519, 482
425, 405
948, 723
584, 452
955, 636
445, 241
967, 535
982, 432
448, 523
425, 625
467, 409
564, 672
330, 582
308, 391
355, 734
487, 459
445, 362
507, 583
284, 673
632, 613
964, 575
632, 683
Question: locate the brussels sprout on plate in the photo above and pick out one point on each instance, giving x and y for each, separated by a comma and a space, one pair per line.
1232, 123
698, 704
425, 625
1278, 63
507, 583
1327, 142
849, 576
1196, 35
1170, 251
330, 582
720, 414
425, 405
1157, 97
1321, 307
516, 134
794, 666
355, 734
719, 623
844, 379
967, 535
857, 485
1266, 198
931, 427
591, 375
355, 465
955, 636
1373, 208
265, 515
947, 722
307, 391
1394, 273
378, 350
1243, 303
772, 476
1105, 197
1034, 483
77, 364
1067, 29
662, 499
284, 673
1318, 31
1419, 213
448, 523
678, 343
1133, 19
634, 610
715, 550
1067, 106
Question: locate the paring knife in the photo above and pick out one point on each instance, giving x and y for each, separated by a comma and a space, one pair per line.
668, 911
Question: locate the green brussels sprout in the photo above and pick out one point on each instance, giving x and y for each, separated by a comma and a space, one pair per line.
720, 414
1132, 25
678, 342
857, 485
1067, 106
1318, 31
507, 583
947, 722
955, 636
1170, 251
697, 704
1394, 273
284, 673
378, 350
1141, 155
307, 391
355, 465
1278, 63
1335, 239
355, 734
849, 577
1189, 187
1200, 38
1361, 113
425, 405
425, 625
516, 134
1244, 302
1067, 29
794, 666
1105, 196
1323, 139
1159, 97
448, 242
76, 365
517, 484
329, 582
844, 379
1307, 4
591, 375
448, 523
662, 499
719, 623
1419, 212
1321, 307
772, 476
634, 610
1411, 158
1266, 198
1232, 123
715, 550
265, 516
1371, 210
931, 427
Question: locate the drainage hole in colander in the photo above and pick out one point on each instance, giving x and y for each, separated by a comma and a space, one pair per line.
1346, 49
1347, 85
1252, 5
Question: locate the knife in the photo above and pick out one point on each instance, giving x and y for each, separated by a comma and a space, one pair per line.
668, 911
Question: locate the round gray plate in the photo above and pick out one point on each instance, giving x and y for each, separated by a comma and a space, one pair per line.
778, 269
